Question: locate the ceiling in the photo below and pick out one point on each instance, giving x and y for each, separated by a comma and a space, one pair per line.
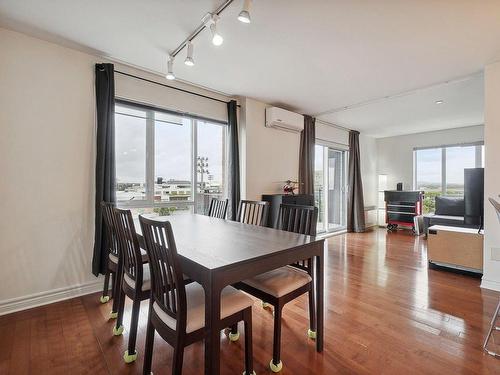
312, 57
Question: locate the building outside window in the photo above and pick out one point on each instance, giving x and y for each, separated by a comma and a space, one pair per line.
168, 163
440, 170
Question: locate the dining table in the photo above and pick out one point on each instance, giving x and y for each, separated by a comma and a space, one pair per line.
217, 253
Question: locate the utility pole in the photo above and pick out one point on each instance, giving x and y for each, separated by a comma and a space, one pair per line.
202, 164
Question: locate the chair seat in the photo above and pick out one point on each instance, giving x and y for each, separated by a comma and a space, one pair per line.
146, 278
279, 282
232, 301
114, 258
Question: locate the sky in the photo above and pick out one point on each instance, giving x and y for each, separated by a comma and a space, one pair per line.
172, 148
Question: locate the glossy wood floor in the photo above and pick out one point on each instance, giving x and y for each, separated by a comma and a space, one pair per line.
386, 314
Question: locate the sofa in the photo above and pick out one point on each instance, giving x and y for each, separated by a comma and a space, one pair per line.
450, 211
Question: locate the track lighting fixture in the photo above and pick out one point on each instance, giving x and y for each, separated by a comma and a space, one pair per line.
170, 68
217, 39
244, 15
209, 21
189, 57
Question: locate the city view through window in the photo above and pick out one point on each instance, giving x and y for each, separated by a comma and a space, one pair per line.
440, 171
167, 164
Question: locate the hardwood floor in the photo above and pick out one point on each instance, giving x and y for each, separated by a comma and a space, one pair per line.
386, 313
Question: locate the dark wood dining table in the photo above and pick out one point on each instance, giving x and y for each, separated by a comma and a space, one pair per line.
217, 253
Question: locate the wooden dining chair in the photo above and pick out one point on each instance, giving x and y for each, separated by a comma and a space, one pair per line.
112, 266
218, 208
176, 310
280, 286
253, 212
136, 280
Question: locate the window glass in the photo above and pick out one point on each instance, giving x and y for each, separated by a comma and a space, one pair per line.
158, 162
130, 154
319, 185
428, 175
173, 156
210, 164
457, 159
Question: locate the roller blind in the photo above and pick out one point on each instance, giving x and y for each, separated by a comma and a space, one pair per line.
143, 92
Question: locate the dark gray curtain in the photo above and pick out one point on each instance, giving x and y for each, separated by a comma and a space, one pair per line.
234, 160
355, 202
105, 159
306, 156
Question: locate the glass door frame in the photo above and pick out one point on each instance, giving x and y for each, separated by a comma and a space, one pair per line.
326, 147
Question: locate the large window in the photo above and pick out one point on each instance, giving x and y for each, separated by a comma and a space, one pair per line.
440, 170
167, 163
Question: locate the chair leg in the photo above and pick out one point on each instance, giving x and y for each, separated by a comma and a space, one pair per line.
276, 365
234, 335
113, 285
118, 328
117, 283
492, 328
248, 342
148, 351
131, 353
312, 314
178, 359
105, 296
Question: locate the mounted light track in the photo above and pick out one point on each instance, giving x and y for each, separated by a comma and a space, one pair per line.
209, 21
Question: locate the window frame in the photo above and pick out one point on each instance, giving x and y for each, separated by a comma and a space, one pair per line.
149, 202
477, 160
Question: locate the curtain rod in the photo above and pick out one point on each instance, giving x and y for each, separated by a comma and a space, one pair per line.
172, 87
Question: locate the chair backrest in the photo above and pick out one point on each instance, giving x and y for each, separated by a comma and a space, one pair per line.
298, 219
253, 212
167, 281
218, 208
109, 222
130, 250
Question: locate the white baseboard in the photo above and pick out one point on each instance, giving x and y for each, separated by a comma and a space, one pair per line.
490, 284
51, 296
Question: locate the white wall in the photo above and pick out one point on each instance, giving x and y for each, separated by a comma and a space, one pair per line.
46, 156
269, 156
491, 271
368, 156
395, 154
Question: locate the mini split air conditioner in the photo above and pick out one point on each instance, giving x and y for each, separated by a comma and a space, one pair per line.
284, 120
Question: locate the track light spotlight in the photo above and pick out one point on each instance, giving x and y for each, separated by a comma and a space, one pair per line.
217, 39
244, 15
170, 68
189, 58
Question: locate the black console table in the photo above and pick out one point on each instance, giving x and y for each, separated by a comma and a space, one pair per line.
277, 199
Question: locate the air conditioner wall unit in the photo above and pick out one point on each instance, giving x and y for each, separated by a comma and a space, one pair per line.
282, 119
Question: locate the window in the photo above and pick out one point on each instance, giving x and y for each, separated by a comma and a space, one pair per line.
167, 163
440, 170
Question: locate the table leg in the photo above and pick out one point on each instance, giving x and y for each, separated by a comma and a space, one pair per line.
319, 302
212, 340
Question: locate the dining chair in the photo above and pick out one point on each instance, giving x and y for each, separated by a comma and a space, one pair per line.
253, 212
177, 310
112, 266
136, 280
218, 208
280, 286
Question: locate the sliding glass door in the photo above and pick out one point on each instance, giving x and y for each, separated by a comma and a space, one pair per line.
330, 188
